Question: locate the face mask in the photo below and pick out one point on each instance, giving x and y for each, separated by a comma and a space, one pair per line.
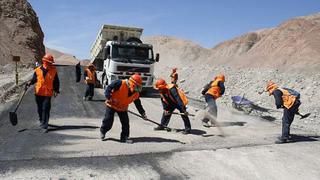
137, 88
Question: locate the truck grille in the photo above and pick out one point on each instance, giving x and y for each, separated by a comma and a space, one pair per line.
133, 69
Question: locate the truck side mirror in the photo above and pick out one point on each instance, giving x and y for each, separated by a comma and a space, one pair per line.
157, 57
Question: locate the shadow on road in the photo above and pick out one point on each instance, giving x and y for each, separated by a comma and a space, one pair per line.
68, 127
225, 124
303, 138
268, 118
147, 139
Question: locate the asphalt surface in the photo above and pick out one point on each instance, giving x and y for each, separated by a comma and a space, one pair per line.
72, 148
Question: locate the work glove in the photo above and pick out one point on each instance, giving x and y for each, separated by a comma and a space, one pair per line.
27, 85
166, 113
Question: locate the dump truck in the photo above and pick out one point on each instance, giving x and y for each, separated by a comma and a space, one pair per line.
118, 53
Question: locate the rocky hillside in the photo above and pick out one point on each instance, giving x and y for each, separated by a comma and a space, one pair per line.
20, 32
62, 58
292, 46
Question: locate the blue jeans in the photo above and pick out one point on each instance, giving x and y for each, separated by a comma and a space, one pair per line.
211, 108
287, 119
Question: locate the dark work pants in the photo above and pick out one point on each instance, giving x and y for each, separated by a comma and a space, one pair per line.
166, 118
107, 122
211, 108
287, 119
44, 106
89, 90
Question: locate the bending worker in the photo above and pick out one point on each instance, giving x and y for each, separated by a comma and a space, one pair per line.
289, 100
90, 78
172, 99
47, 85
119, 94
212, 91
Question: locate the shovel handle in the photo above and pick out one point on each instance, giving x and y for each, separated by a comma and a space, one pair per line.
20, 99
182, 114
149, 120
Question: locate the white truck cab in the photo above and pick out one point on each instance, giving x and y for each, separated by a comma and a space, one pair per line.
119, 53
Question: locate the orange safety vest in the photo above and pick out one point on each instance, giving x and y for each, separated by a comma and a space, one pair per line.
287, 98
182, 96
119, 99
44, 86
91, 76
214, 90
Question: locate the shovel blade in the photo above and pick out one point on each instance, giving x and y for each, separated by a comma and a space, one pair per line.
305, 116
13, 118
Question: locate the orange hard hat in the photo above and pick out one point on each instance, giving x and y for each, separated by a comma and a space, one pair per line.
136, 79
160, 84
135, 83
271, 86
48, 58
220, 77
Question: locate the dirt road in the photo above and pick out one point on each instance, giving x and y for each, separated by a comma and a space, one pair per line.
72, 148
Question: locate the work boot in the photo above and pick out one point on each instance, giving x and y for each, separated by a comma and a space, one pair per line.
206, 124
186, 131
44, 130
102, 135
89, 98
159, 128
126, 140
281, 140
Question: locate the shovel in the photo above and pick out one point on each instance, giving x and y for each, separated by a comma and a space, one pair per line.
165, 127
12, 115
303, 116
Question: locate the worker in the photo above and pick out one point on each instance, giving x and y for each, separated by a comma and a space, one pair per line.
119, 94
172, 98
47, 85
212, 91
78, 72
90, 78
174, 76
289, 100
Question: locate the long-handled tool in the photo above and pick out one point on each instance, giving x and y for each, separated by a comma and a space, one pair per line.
165, 127
12, 115
182, 114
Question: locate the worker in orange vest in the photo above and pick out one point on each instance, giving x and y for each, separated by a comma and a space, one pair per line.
289, 100
47, 85
172, 98
90, 78
212, 91
119, 94
174, 76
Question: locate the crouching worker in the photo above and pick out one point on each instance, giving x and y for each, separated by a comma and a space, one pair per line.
172, 98
119, 94
90, 78
212, 91
47, 85
289, 100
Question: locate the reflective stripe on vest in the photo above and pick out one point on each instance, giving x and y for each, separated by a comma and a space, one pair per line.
287, 98
44, 86
214, 90
119, 99
91, 76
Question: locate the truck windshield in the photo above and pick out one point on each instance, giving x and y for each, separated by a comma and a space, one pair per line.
132, 54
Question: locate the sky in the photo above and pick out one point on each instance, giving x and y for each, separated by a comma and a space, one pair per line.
71, 26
